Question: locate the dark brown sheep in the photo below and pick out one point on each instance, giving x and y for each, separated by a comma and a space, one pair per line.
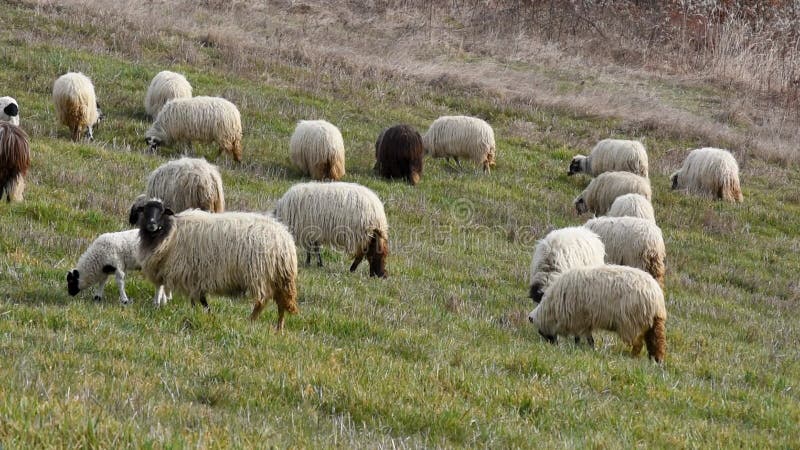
399, 153
15, 158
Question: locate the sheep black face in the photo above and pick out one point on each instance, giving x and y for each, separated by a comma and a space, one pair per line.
674, 179
73, 278
376, 255
11, 110
536, 292
575, 166
551, 338
153, 143
155, 223
580, 206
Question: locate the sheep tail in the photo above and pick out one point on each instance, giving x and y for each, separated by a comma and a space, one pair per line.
335, 170
656, 340
218, 203
654, 265
286, 294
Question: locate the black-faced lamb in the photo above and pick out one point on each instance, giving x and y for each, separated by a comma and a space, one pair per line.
199, 253
9, 110
347, 216
399, 153
612, 155
461, 137
710, 172
164, 87
606, 187
619, 299
185, 183
76, 104
15, 159
634, 242
317, 149
202, 119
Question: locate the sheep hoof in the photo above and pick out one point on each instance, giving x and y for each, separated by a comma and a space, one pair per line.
98, 298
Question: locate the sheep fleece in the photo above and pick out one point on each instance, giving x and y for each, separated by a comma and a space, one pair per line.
611, 155
632, 205
187, 183
632, 242
75, 101
165, 86
564, 249
711, 172
461, 136
606, 187
317, 149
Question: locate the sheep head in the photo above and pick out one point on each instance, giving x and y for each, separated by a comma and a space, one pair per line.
576, 165
377, 253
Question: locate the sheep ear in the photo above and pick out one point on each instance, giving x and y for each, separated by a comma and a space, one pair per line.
168, 212
69, 276
133, 218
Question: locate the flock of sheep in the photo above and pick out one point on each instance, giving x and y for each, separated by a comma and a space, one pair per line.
607, 274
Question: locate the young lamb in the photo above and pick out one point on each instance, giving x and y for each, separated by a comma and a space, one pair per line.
461, 136
15, 158
165, 86
203, 119
606, 187
632, 205
633, 242
9, 110
347, 216
76, 104
620, 299
399, 152
317, 149
109, 253
612, 155
561, 250
200, 253
185, 183
710, 172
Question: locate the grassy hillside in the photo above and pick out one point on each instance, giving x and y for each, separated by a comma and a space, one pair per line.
438, 354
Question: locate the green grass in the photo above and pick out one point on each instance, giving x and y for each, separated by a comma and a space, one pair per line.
440, 353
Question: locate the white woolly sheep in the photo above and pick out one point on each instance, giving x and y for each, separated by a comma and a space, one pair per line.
347, 216
200, 253
317, 149
165, 86
606, 187
709, 172
632, 242
620, 299
632, 205
461, 136
185, 183
76, 104
203, 119
9, 110
109, 253
612, 155
561, 250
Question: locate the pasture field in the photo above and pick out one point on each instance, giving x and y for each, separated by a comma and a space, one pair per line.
440, 354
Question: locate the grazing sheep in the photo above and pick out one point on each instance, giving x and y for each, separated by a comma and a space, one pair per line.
632, 205
204, 119
710, 172
612, 155
15, 158
109, 253
76, 104
347, 216
185, 183
199, 253
606, 187
615, 298
561, 250
165, 86
9, 110
399, 153
317, 149
461, 136
632, 242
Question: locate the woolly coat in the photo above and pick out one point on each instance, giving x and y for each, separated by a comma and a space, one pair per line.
15, 158
632, 242
9, 110
632, 205
186, 183
606, 187
399, 153
226, 254
76, 103
461, 137
612, 155
561, 250
165, 86
620, 299
317, 149
203, 119
710, 172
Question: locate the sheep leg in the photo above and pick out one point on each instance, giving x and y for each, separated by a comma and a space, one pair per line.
257, 308
204, 303
308, 257
317, 250
76, 133
120, 276
90, 134
359, 257
636, 346
98, 292
590, 340
281, 319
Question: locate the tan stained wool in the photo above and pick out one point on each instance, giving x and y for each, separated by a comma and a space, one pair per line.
632, 205
710, 172
75, 103
165, 86
633, 242
614, 155
606, 187
317, 149
461, 137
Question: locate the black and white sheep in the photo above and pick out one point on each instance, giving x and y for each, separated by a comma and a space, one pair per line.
317, 149
164, 87
76, 104
606, 187
632, 205
461, 136
15, 159
347, 216
202, 119
185, 183
612, 155
399, 153
619, 299
9, 110
109, 253
711, 172
634, 242
199, 253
